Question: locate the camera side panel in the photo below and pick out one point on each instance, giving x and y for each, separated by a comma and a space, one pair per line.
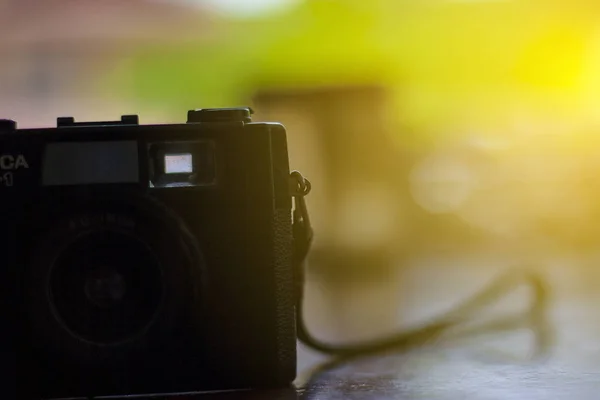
269, 216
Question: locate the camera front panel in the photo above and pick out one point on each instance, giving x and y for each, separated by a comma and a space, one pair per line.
217, 183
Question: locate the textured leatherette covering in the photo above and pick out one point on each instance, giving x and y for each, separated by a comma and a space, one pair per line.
285, 306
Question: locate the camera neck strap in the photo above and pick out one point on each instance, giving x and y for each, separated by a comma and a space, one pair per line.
301, 229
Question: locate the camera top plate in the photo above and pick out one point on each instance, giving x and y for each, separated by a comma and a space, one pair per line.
234, 114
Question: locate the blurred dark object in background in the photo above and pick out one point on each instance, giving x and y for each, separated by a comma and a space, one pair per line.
341, 135
364, 214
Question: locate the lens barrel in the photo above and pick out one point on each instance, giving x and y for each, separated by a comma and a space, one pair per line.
111, 277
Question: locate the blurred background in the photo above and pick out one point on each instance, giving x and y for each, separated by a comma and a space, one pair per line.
445, 139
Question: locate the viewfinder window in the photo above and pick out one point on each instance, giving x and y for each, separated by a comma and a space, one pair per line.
179, 164
185, 163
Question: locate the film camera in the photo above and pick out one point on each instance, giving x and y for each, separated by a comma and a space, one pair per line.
143, 259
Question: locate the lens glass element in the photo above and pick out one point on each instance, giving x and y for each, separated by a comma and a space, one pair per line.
106, 287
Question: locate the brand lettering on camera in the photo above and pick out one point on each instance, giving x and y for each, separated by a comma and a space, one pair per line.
10, 162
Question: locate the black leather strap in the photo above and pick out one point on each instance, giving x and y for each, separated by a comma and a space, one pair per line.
301, 229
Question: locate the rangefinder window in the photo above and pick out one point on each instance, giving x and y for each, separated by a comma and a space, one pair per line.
182, 164
83, 163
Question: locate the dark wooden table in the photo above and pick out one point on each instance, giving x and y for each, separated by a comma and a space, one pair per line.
481, 367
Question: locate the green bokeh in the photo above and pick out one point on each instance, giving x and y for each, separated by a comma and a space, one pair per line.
446, 61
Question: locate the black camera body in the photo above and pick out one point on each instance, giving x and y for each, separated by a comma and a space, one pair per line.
143, 259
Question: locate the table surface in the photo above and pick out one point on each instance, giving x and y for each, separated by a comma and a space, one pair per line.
493, 366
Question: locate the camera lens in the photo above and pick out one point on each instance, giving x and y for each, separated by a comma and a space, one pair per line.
111, 278
106, 287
